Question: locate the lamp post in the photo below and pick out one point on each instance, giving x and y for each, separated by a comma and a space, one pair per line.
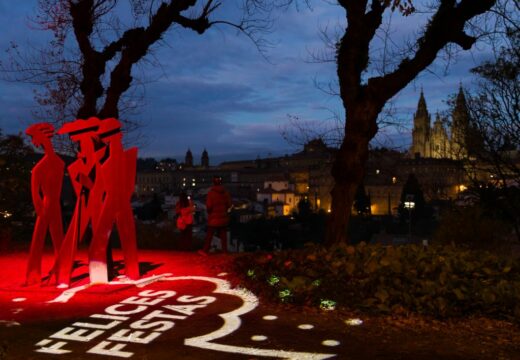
410, 205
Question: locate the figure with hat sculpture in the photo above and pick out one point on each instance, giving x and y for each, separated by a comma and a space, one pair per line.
46, 184
118, 170
103, 179
88, 186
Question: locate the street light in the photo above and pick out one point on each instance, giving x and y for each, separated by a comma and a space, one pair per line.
410, 205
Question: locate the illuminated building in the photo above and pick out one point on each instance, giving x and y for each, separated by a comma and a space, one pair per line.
433, 141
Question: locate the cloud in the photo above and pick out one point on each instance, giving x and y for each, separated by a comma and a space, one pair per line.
217, 91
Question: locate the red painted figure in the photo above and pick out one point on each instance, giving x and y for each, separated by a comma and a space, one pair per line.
118, 172
46, 183
88, 186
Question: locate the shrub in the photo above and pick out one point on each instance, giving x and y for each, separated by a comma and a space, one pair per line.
442, 281
471, 226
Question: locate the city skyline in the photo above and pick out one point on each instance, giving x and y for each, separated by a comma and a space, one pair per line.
222, 95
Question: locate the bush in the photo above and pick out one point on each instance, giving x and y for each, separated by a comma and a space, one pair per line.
280, 232
471, 226
442, 281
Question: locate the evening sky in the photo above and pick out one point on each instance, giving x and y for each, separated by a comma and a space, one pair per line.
217, 92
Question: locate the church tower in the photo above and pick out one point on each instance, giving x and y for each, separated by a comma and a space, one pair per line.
421, 129
459, 127
204, 160
439, 142
188, 159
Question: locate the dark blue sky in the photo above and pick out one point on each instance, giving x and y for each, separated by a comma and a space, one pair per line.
217, 92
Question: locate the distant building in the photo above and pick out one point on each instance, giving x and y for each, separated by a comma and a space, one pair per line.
279, 194
154, 182
274, 186
434, 142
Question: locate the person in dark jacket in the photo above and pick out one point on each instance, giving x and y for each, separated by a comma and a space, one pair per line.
218, 202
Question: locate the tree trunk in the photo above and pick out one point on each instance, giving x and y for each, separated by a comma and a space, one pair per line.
348, 170
342, 200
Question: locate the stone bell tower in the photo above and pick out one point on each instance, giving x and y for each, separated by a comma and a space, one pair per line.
421, 130
459, 127
204, 159
188, 159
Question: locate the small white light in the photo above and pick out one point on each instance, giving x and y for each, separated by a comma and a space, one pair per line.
258, 337
305, 326
330, 342
270, 317
19, 299
353, 322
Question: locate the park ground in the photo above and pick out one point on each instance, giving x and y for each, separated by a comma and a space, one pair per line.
202, 313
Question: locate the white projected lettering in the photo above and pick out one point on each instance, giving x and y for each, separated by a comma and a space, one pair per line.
142, 318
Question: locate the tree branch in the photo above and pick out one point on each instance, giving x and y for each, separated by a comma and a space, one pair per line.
447, 25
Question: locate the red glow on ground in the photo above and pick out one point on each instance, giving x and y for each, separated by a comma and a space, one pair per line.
21, 303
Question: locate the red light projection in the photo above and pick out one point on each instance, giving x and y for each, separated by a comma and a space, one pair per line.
180, 305
103, 177
46, 183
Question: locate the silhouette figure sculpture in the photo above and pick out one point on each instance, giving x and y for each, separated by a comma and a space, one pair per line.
46, 184
118, 171
88, 186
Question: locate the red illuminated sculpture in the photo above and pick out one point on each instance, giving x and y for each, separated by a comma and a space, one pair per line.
46, 183
118, 170
88, 186
103, 178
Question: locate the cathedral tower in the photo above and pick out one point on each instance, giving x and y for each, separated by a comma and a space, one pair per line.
188, 160
421, 129
439, 142
204, 160
459, 127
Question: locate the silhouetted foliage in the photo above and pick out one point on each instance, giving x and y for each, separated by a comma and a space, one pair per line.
472, 226
495, 111
362, 201
15, 179
151, 210
304, 209
413, 193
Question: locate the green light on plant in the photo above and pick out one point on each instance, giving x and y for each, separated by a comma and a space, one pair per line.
251, 273
316, 283
284, 294
273, 280
327, 304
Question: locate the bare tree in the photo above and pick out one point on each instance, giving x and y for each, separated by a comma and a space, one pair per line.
494, 136
90, 63
364, 97
495, 112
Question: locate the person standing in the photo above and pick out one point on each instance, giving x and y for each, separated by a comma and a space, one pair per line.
218, 202
184, 212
